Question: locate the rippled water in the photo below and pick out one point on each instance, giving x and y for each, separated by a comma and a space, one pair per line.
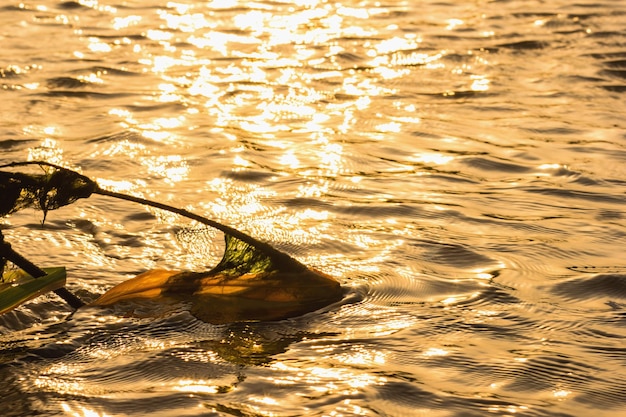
459, 166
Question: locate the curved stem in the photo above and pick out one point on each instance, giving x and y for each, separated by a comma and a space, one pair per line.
267, 249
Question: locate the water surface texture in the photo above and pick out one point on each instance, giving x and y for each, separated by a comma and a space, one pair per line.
459, 166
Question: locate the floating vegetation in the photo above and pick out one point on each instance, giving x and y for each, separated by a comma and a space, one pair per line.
253, 281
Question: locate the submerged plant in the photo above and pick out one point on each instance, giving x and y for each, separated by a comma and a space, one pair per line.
253, 281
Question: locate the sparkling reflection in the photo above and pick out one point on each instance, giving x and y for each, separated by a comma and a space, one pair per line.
172, 168
361, 356
196, 386
48, 150
435, 352
125, 22
81, 411
433, 158
95, 45
369, 140
561, 394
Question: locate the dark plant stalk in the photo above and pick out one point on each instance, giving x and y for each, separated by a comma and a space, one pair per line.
267, 249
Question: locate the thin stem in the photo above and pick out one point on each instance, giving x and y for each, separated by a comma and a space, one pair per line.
269, 250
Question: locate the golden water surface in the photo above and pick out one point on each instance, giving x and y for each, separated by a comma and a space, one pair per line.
459, 166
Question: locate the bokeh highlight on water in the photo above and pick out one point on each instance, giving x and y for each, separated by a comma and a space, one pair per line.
459, 166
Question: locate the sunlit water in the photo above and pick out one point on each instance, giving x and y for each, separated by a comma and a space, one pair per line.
459, 166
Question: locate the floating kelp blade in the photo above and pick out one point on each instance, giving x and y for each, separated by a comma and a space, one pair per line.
247, 285
55, 187
17, 286
253, 281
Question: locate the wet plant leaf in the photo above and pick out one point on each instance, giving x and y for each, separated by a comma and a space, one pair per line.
17, 287
246, 285
54, 187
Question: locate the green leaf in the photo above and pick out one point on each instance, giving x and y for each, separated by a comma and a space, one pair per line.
17, 287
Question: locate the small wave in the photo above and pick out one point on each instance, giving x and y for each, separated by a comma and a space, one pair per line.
97, 69
577, 194
83, 94
15, 144
612, 286
457, 256
487, 164
525, 45
540, 373
70, 5
400, 398
66, 82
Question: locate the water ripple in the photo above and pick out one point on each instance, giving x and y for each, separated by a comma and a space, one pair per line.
459, 167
